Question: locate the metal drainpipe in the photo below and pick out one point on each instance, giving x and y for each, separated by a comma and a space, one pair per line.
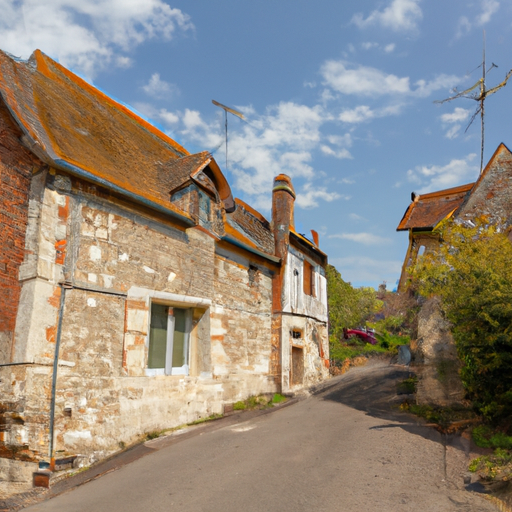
64, 287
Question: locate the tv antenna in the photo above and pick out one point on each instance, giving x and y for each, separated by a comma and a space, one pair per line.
479, 96
231, 111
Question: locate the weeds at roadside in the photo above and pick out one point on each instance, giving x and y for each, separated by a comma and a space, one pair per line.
447, 419
212, 417
258, 402
495, 466
407, 386
354, 348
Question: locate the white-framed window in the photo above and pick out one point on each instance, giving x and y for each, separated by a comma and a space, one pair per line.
169, 340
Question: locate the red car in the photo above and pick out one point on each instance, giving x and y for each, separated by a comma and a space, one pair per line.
366, 335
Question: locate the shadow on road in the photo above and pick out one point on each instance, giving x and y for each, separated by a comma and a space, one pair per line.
373, 389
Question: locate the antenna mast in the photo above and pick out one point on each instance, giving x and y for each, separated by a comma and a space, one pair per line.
231, 111
480, 98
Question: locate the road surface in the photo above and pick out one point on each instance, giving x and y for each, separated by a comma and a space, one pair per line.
346, 449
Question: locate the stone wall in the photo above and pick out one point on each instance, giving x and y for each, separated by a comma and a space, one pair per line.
438, 365
115, 261
491, 197
24, 420
97, 263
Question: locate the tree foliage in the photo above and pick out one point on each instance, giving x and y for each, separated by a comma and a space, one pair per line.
472, 273
348, 307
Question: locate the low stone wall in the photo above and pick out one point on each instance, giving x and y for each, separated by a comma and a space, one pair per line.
435, 354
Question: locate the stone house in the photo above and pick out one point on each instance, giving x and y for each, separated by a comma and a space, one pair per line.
136, 293
437, 363
489, 196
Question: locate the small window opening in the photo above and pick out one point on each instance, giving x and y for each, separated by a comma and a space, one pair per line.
296, 334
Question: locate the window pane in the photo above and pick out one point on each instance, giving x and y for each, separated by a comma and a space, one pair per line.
157, 336
179, 348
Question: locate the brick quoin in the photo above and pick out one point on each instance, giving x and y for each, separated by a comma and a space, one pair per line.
16, 167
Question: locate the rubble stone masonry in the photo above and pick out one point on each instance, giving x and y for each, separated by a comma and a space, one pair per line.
117, 260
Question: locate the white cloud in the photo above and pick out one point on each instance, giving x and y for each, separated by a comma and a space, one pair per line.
453, 132
456, 172
346, 78
167, 117
488, 9
195, 129
364, 113
463, 27
400, 15
279, 141
86, 35
357, 115
309, 197
341, 153
341, 140
363, 238
369, 45
356, 217
158, 88
457, 116
346, 181
123, 62
362, 269
362, 80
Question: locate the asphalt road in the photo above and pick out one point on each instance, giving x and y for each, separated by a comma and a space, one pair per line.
347, 449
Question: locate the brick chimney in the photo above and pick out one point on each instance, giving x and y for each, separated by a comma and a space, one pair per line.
283, 199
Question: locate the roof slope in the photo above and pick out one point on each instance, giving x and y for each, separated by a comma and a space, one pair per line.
427, 210
491, 196
250, 227
74, 125
71, 125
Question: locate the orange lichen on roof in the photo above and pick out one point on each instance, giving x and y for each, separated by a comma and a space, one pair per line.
180, 170
237, 235
248, 225
252, 211
427, 210
74, 124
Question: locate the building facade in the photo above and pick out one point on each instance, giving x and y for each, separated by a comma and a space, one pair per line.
489, 197
137, 293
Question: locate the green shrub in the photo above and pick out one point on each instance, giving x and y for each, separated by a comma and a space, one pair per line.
499, 464
408, 385
442, 416
486, 437
472, 274
239, 406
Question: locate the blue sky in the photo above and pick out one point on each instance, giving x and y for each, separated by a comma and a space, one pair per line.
339, 95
